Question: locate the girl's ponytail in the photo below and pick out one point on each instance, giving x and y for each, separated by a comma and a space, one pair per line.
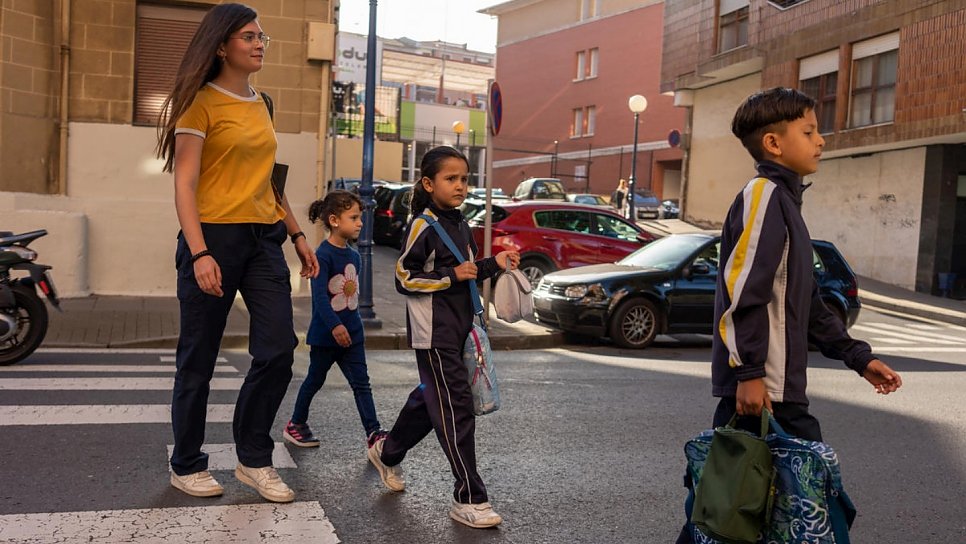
420, 200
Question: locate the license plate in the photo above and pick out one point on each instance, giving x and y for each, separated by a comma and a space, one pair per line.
51, 289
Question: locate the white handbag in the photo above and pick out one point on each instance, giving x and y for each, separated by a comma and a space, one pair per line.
513, 296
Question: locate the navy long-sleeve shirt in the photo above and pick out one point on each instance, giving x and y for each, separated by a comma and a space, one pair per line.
335, 295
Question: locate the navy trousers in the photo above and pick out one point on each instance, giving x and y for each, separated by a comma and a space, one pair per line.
352, 363
252, 263
442, 402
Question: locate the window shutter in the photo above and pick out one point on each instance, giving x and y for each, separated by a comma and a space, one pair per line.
824, 63
163, 35
729, 6
879, 44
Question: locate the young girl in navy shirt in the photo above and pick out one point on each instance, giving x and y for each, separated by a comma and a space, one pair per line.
439, 317
335, 332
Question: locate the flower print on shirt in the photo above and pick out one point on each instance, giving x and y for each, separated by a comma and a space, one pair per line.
344, 289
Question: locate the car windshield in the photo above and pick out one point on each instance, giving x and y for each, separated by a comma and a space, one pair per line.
666, 253
646, 198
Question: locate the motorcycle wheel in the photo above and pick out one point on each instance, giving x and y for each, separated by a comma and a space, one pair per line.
31, 316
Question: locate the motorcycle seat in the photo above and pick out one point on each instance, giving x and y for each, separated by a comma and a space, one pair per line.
9, 238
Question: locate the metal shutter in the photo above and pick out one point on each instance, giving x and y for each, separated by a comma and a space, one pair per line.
162, 37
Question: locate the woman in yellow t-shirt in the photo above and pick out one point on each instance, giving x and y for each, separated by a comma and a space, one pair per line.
216, 135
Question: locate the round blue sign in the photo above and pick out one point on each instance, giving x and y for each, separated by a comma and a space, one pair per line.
496, 108
674, 138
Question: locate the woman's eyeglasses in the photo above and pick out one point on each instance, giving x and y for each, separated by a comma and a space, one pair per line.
250, 38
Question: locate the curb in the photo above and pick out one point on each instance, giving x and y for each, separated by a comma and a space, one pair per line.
384, 341
872, 302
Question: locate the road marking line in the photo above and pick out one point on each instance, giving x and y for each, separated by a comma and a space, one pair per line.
130, 351
297, 522
101, 368
921, 349
171, 359
910, 317
890, 340
101, 414
223, 456
108, 384
893, 329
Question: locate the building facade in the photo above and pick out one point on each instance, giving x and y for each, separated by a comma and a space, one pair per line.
890, 81
566, 69
82, 83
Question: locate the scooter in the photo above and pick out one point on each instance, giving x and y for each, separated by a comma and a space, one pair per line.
23, 315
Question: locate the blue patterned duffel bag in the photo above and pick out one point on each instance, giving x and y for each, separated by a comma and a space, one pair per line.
810, 505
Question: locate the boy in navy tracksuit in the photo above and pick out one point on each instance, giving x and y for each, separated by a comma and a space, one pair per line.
439, 318
767, 304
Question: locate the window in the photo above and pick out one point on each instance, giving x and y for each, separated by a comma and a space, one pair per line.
568, 220
591, 119
785, 4
612, 227
818, 77
577, 125
594, 54
588, 9
732, 24
162, 37
874, 66
581, 58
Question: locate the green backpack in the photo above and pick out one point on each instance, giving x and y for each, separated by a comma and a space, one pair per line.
733, 499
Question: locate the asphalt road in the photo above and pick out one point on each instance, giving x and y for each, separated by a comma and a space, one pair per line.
587, 448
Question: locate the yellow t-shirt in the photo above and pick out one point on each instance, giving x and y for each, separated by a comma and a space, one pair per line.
236, 161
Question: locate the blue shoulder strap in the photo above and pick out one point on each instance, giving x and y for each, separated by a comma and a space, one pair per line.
474, 293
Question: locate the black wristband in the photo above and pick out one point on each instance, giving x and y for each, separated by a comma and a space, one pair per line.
297, 235
200, 254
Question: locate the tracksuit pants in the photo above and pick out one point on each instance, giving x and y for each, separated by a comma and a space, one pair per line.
252, 263
442, 402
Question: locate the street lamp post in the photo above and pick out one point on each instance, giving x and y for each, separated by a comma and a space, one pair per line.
459, 128
366, 312
637, 104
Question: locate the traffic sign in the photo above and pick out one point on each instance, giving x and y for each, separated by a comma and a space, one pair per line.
496, 108
674, 138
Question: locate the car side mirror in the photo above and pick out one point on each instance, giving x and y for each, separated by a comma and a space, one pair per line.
699, 269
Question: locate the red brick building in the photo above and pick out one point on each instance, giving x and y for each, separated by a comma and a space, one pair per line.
566, 69
890, 79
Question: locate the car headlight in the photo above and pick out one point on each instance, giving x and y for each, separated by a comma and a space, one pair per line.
575, 291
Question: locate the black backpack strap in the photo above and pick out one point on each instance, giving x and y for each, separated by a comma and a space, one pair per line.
269, 104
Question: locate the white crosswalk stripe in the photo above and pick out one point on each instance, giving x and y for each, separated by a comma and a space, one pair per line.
148, 372
912, 337
298, 522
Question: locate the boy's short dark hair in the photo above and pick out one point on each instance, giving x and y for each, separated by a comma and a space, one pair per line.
763, 111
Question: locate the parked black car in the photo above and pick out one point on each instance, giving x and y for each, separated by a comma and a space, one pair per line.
391, 214
666, 287
351, 184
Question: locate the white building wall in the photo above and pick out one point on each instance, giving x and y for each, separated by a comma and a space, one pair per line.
718, 166
115, 232
871, 209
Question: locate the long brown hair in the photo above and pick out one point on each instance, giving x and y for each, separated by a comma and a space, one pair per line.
199, 65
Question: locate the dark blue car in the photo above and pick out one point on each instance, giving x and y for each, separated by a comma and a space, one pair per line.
666, 287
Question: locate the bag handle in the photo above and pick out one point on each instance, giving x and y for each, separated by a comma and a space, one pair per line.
474, 292
766, 420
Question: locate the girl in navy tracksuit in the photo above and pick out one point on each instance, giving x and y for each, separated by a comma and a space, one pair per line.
439, 317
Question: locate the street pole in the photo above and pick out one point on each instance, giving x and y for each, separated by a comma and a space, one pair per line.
366, 192
633, 180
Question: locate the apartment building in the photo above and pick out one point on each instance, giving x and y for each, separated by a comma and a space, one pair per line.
890, 81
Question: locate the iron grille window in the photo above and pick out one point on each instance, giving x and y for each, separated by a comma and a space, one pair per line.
822, 89
785, 4
162, 35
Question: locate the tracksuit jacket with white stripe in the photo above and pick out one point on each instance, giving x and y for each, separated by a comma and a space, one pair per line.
439, 311
767, 303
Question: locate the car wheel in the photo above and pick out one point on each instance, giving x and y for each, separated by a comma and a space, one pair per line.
534, 270
635, 324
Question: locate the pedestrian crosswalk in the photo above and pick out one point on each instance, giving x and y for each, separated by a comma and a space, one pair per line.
118, 403
912, 337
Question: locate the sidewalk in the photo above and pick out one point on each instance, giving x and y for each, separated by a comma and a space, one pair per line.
152, 322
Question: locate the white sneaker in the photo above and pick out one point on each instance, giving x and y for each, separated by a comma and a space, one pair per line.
478, 516
197, 484
266, 481
392, 477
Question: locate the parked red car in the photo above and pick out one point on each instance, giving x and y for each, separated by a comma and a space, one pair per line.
556, 235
